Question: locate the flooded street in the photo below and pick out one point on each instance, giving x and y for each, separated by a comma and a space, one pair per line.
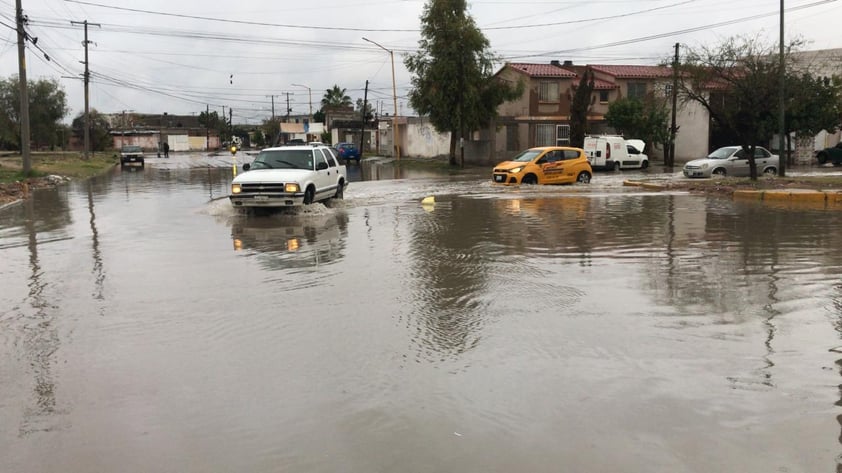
146, 326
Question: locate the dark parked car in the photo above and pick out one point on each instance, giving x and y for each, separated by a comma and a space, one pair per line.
348, 151
130, 155
832, 154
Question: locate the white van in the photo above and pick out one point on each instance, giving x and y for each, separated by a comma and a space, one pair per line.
615, 152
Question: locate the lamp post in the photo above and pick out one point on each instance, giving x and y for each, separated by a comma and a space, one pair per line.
395, 134
310, 93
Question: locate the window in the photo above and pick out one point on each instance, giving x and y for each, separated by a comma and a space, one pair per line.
667, 90
545, 135
331, 158
548, 91
562, 135
603, 96
571, 154
637, 90
511, 138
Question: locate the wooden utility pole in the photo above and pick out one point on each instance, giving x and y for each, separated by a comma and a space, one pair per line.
207, 127
784, 152
24, 92
87, 80
673, 129
363, 115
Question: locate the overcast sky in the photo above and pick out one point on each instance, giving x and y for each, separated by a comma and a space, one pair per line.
156, 56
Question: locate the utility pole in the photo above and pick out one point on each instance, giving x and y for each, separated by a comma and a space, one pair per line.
231, 121
395, 135
288, 109
207, 127
273, 107
784, 153
363, 114
24, 92
673, 130
87, 89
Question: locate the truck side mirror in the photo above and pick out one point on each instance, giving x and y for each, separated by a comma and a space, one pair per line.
321, 165
246, 166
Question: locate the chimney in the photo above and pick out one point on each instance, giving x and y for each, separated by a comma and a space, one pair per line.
555, 62
568, 63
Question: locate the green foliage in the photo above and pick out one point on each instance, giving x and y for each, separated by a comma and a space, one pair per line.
369, 110
258, 138
335, 97
319, 116
271, 128
100, 135
47, 107
647, 120
579, 110
453, 80
813, 103
213, 121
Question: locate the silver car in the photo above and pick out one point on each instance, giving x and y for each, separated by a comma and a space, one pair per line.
732, 161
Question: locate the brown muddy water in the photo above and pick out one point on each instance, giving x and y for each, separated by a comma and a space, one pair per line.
146, 327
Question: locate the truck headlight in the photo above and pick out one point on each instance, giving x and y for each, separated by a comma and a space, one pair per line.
291, 188
516, 170
236, 188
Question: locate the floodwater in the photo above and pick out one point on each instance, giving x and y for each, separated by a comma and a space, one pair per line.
145, 326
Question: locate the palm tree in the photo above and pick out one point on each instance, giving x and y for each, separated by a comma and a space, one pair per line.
336, 98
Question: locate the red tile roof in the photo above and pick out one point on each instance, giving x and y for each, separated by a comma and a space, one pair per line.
542, 70
634, 72
599, 84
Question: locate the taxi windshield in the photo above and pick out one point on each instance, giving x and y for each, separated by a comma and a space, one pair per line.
527, 155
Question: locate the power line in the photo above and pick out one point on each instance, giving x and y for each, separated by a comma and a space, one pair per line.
245, 22
672, 33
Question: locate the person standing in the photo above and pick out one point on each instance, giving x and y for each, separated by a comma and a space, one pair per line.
166, 149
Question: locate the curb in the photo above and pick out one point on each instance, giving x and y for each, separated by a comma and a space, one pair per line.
801, 196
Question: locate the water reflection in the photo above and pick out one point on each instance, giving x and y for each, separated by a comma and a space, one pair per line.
40, 339
293, 239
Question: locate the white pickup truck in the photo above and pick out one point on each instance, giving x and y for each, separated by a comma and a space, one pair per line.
289, 176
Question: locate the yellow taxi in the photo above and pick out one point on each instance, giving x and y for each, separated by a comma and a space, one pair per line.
545, 165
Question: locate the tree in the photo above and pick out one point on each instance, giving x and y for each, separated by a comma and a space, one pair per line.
453, 80
738, 83
47, 107
100, 135
813, 104
335, 97
579, 110
646, 119
369, 110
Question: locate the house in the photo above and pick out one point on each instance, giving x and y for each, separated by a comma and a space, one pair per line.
541, 117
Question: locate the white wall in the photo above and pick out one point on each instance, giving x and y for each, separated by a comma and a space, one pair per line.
423, 141
691, 141
179, 142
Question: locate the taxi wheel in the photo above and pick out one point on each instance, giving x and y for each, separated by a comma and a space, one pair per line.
529, 179
584, 177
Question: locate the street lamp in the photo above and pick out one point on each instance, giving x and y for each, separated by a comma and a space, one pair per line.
310, 92
395, 134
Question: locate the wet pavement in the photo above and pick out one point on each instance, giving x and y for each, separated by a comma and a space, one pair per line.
146, 326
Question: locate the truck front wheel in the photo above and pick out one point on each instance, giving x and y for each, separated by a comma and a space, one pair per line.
309, 195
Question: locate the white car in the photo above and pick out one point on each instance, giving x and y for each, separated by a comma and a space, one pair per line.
289, 176
732, 161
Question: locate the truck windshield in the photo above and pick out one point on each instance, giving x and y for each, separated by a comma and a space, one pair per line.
284, 159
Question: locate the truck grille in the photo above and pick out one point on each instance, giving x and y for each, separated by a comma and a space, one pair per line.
262, 188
